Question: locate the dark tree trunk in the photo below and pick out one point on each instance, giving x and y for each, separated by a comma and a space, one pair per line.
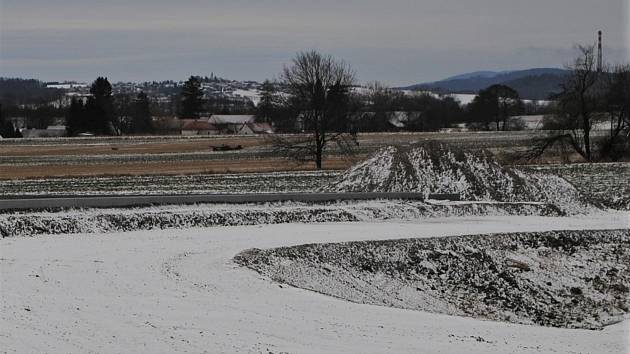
319, 149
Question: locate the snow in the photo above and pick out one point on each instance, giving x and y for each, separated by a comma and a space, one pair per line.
466, 98
67, 86
173, 291
25, 223
567, 279
272, 182
252, 95
439, 168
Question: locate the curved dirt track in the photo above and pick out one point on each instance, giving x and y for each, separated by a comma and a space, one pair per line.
175, 291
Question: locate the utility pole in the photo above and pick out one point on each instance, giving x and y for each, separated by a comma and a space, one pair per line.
599, 52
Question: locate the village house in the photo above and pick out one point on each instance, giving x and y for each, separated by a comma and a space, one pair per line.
239, 124
231, 124
198, 127
214, 125
255, 128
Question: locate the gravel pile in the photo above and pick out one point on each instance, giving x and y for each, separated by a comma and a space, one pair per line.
476, 176
569, 279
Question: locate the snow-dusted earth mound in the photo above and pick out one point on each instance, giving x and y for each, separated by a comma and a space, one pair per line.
437, 168
570, 279
210, 215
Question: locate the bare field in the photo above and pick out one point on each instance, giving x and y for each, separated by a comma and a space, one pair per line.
169, 144
246, 165
118, 156
125, 146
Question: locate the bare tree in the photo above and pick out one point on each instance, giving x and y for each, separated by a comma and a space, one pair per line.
319, 89
617, 106
578, 104
379, 104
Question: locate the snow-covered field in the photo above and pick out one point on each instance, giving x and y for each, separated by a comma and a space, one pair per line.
278, 182
172, 291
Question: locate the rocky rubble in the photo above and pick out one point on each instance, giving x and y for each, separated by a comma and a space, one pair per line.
571, 279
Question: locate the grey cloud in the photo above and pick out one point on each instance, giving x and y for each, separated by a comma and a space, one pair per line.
397, 41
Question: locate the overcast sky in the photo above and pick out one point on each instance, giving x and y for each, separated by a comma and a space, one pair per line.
395, 41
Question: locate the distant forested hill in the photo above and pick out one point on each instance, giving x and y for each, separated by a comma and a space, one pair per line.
25, 91
530, 84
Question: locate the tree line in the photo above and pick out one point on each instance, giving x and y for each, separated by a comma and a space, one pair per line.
317, 95
590, 97
375, 108
103, 113
16, 92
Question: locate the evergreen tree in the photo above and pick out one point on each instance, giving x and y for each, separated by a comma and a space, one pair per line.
268, 102
75, 118
141, 117
192, 98
6, 127
100, 107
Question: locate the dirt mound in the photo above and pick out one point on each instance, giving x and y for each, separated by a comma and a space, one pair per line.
570, 279
438, 168
18, 224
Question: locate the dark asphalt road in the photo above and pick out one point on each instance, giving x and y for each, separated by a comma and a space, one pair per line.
122, 201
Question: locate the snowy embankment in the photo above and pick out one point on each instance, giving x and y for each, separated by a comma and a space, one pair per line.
570, 279
607, 183
210, 215
176, 291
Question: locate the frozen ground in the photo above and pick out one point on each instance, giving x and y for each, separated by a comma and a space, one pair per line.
206, 215
278, 182
173, 291
567, 279
606, 183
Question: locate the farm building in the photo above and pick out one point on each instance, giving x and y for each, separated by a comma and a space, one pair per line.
52, 131
214, 125
199, 127
231, 124
239, 124
255, 128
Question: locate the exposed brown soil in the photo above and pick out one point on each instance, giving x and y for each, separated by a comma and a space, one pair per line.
250, 161
168, 168
129, 147
157, 145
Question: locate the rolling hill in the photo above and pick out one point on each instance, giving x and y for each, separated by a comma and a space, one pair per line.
536, 84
